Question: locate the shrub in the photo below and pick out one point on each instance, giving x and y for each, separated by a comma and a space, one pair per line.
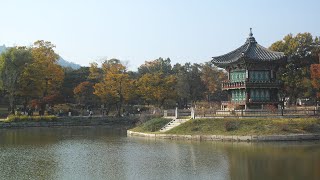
13, 118
231, 125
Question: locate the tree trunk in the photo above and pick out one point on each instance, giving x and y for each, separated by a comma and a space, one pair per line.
11, 103
108, 110
162, 103
25, 104
119, 111
42, 108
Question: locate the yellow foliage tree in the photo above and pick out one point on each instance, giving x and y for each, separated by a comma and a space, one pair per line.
95, 72
116, 86
156, 87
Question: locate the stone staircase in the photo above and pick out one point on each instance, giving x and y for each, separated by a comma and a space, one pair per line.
172, 124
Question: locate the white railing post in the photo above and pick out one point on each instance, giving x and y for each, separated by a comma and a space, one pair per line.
193, 116
177, 113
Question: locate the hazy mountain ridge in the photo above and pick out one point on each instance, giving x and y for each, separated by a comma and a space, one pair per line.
2, 48
65, 63
62, 62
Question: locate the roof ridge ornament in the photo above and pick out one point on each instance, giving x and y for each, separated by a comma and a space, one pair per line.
251, 39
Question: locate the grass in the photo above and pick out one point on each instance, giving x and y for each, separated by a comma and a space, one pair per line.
13, 118
152, 125
230, 126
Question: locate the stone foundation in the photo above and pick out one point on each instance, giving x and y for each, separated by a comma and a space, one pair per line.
253, 138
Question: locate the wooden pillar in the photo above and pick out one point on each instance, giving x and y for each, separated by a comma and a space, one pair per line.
247, 95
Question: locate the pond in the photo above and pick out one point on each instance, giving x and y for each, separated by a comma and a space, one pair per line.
104, 153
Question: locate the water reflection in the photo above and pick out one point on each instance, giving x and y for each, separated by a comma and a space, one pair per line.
175, 160
275, 161
103, 153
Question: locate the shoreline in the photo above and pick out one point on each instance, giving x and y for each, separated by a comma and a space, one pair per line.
248, 138
72, 121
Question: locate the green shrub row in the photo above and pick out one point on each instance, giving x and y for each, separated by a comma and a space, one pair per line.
14, 118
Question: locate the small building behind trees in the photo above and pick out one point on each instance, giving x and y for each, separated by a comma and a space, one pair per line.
252, 76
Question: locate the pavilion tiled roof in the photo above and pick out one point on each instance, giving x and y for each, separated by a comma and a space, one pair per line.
250, 51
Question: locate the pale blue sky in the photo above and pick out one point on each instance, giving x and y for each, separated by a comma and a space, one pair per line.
138, 30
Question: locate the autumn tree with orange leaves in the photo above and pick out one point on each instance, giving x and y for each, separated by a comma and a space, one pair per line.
43, 76
84, 92
315, 78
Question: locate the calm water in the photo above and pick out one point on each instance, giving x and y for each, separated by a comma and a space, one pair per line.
101, 153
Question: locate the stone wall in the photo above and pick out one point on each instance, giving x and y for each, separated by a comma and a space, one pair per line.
254, 138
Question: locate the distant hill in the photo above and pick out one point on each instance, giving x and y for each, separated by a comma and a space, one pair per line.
65, 63
2, 48
61, 61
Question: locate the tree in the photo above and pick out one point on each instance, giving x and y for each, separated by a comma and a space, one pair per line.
84, 92
182, 88
95, 73
12, 65
156, 88
212, 78
197, 88
115, 86
156, 66
315, 78
73, 78
43, 76
295, 74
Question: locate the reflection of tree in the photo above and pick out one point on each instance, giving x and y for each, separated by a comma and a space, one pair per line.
27, 154
28, 136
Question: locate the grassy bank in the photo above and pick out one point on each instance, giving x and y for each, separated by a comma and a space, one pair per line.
229, 126
248, 126
152, 125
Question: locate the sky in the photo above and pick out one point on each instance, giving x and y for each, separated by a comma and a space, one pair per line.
136, 31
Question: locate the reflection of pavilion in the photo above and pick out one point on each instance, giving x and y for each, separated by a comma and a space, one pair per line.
252, 80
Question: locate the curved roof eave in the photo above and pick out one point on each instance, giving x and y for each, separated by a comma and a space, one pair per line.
251, 50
